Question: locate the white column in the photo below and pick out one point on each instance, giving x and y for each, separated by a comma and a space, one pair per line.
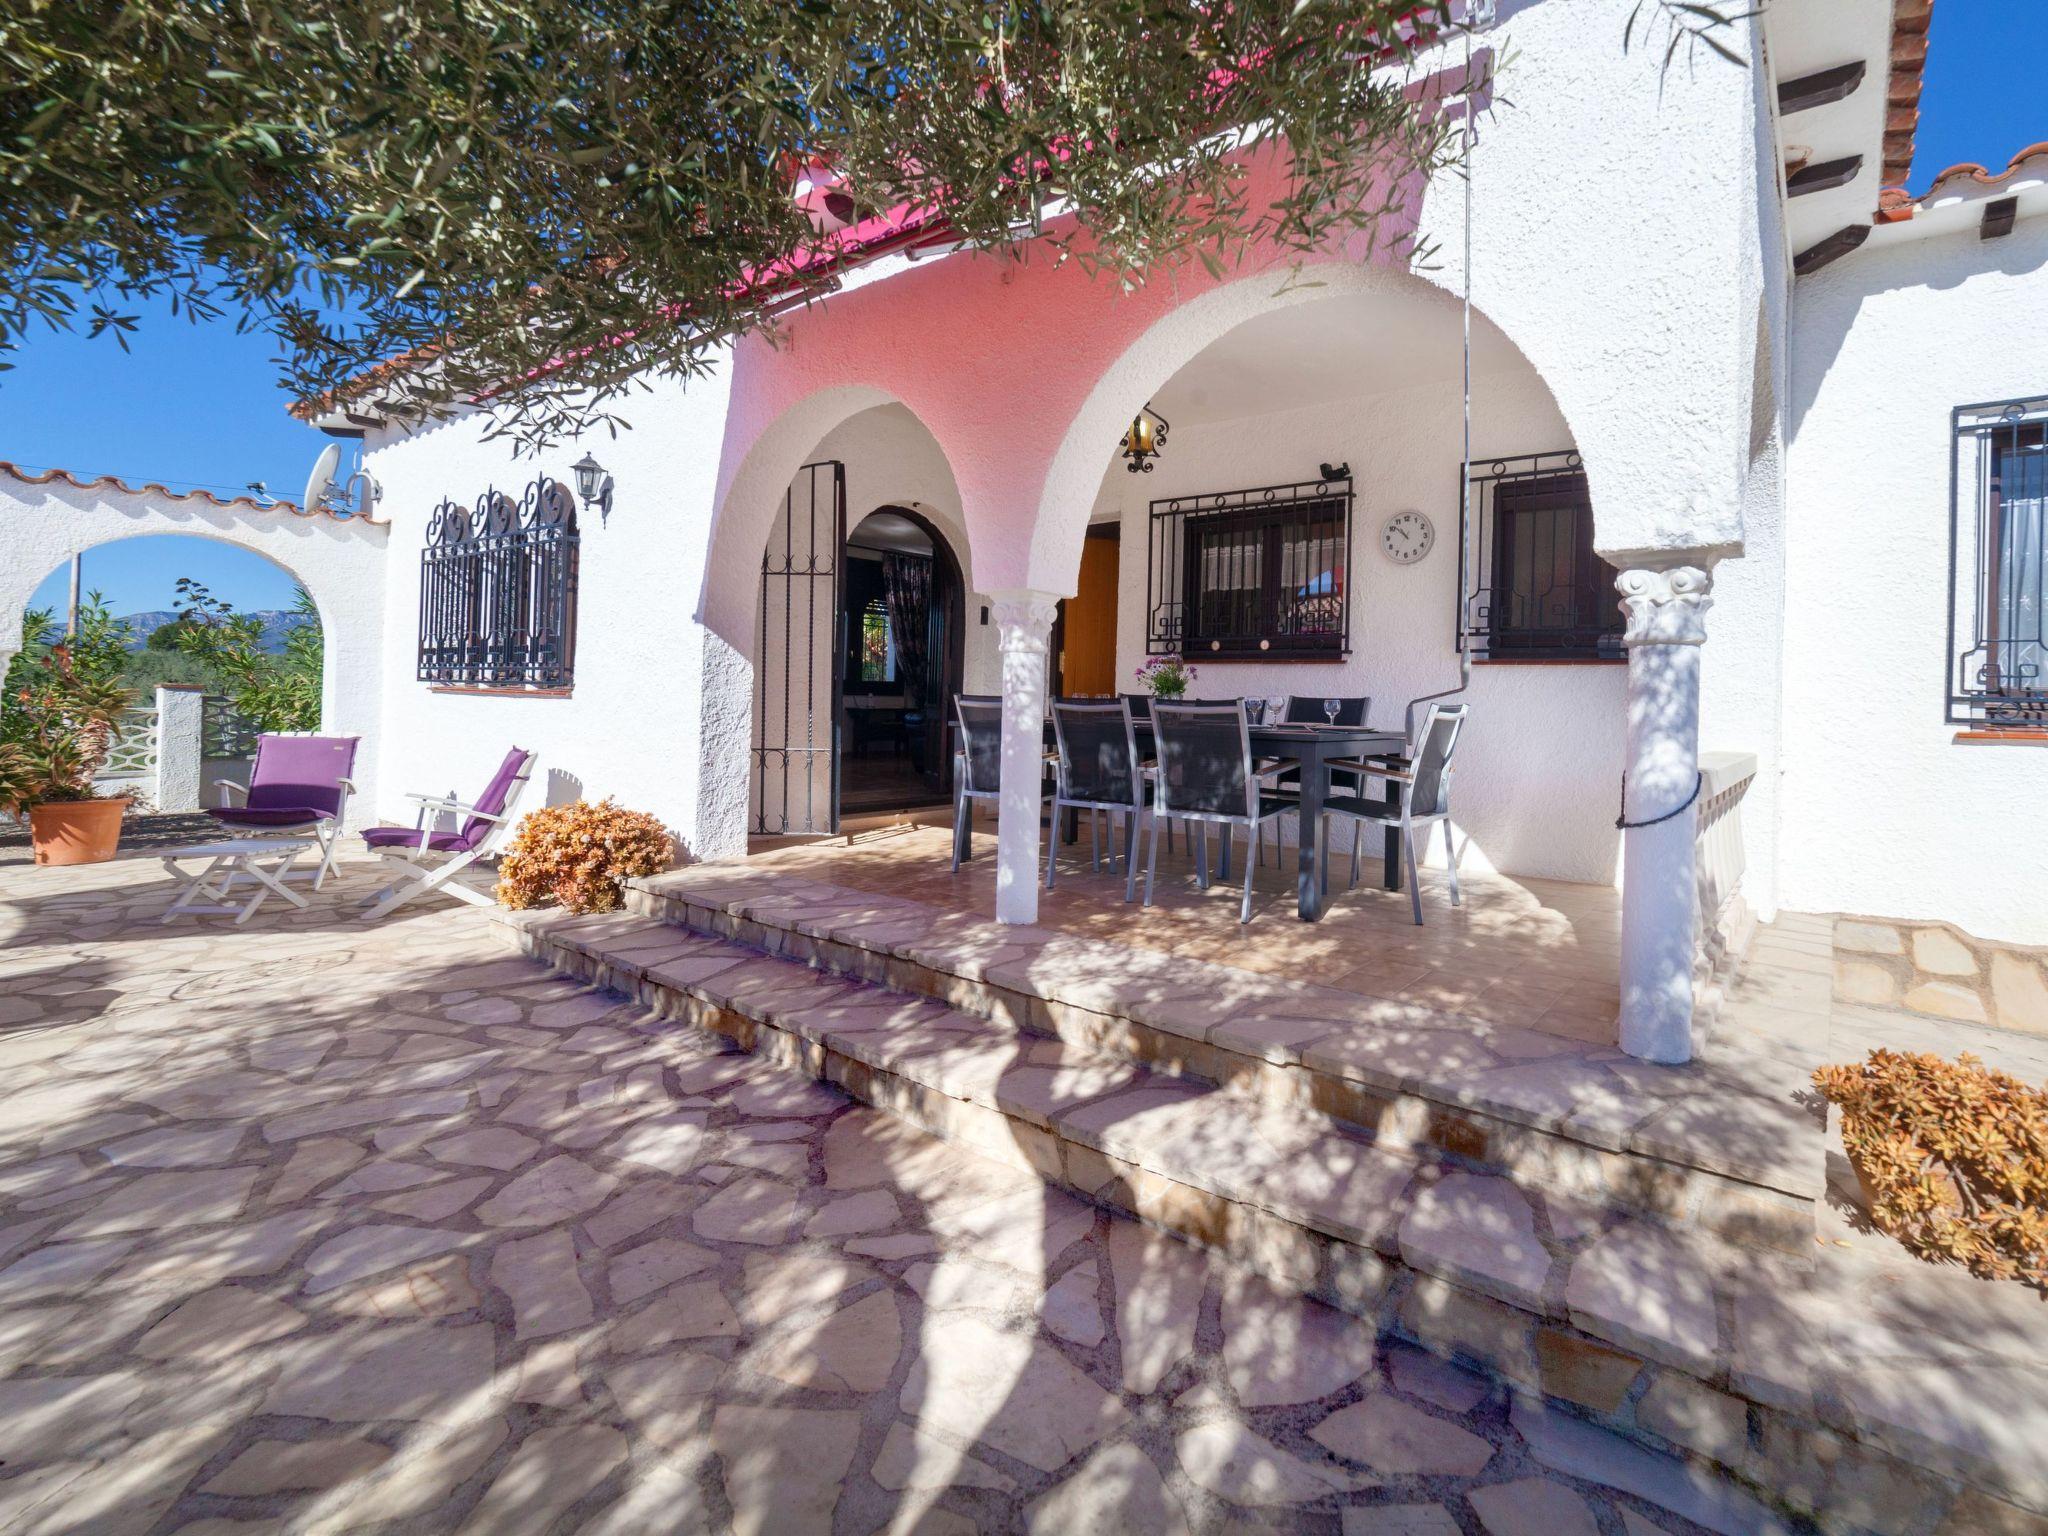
1024, 633
1666, 612
180, 723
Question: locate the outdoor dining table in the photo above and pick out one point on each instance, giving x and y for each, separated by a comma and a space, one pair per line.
1312, 748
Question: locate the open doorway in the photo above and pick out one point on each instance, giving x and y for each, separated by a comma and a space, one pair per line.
1084, 630
900, 644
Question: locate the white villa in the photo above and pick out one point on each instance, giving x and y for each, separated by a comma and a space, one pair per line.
1703, 465
1795, 418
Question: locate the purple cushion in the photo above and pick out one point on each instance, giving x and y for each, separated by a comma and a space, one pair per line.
409, 837
497, 792
268, 815
293, 772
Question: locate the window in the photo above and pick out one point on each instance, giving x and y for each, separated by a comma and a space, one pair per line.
1251, 574
498, 591
1539, 591
877, 646
1998, 537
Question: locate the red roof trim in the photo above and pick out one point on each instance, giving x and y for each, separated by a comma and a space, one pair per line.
109, 482
904, 227
1981, 176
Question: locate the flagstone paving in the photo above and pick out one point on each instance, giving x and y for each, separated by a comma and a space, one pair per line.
317, 1227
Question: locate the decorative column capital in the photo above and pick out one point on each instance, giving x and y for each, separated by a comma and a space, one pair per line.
1024, 618
1665, 607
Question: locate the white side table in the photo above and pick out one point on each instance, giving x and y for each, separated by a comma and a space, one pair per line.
266, 861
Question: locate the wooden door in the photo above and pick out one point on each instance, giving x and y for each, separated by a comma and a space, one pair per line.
1087, 660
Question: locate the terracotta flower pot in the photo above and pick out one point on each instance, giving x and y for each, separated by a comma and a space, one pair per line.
76, 831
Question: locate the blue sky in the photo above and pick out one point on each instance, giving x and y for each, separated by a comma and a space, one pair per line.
199, 405
1982, 98
187, 405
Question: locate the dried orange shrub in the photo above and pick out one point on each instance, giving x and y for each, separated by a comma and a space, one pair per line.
581, 855
1953, 1156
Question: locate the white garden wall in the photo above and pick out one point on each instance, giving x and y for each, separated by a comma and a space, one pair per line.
45, 520
1885, 813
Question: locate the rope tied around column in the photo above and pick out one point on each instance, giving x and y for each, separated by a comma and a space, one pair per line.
1623, 824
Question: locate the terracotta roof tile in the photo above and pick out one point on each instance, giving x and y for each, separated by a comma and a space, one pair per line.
1895, 205
1980, 175
1910, 21
110, 482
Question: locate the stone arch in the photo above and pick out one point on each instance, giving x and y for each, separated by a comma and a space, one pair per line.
749, 494
1175, 339
340, 562
749, 497
18, 609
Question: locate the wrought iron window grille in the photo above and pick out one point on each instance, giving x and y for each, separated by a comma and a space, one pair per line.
498, 590
1530, 586
1998, 565
1257, 574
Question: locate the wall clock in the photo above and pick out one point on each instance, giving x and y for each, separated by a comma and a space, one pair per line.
1407, 537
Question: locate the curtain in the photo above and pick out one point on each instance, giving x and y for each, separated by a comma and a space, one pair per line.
2020, 651
908, 585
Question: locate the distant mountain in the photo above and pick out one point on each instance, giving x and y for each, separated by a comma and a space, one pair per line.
277, 624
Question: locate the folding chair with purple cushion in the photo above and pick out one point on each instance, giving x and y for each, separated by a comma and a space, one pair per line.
299, 784
481, 825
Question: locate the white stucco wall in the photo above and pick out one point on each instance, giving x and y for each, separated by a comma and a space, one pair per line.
635, 726
1538, 772
1742, 664
340, 561
1884, 812
1633, 292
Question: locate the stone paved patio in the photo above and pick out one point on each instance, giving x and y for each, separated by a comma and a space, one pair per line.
317, 1227
1520, 952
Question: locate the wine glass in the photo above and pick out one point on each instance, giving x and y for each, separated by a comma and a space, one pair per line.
1330, 708
1276, 709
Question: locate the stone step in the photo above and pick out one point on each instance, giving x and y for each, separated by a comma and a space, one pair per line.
1722, 1145
1683, 1342
1280, 1186
1798, 1381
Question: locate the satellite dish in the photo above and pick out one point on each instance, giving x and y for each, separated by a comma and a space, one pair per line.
320, 484
356, 497
368, 492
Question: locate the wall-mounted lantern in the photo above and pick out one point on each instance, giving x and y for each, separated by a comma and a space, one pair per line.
1142, 443
594, 486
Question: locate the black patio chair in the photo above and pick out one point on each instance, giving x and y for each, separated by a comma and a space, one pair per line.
1351, 710
1206, 777
1097, 769
978, 760
1422, 795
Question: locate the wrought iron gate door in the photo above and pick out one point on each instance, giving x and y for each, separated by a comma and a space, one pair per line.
797, 659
